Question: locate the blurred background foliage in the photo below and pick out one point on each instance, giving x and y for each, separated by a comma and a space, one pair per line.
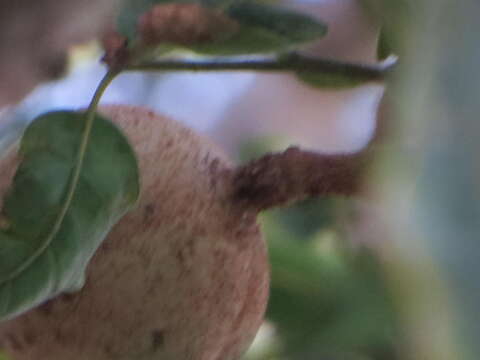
335, 296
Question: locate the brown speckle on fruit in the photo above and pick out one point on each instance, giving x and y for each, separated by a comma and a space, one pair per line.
158, 339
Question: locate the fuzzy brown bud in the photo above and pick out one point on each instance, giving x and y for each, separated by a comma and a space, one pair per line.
115, 46
184, 24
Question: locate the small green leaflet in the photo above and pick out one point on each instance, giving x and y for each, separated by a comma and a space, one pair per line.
263, 28
383, 49
294, 27
37, 262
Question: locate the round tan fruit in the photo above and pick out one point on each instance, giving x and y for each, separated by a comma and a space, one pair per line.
182, 277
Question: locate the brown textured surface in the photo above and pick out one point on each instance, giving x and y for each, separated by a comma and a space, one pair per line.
183, 24
182, 277
280, 179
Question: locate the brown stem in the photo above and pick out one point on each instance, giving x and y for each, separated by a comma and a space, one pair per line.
288, 63
283, 178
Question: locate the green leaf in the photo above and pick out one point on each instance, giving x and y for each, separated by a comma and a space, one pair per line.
292, 26
330, 302
248, 40
264, 29
384, 47
219, 4
41, 257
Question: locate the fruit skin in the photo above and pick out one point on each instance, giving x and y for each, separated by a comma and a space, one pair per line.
182, 277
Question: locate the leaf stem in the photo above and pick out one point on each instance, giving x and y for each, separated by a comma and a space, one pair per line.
89, 119
291, 62
73, 181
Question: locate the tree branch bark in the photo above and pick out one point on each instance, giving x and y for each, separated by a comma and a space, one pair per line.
291, 63
283, 178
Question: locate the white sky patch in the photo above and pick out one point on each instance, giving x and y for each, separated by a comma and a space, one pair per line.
195, 99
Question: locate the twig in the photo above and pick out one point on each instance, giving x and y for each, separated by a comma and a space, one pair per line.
292, 62
283, 178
